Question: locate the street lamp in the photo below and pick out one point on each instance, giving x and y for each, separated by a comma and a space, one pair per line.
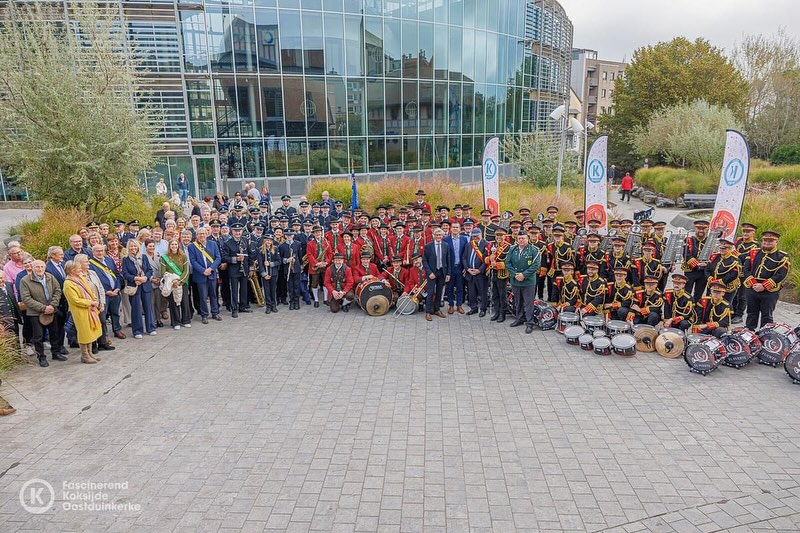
566, 123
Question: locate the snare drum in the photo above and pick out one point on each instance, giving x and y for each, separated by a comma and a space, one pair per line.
617, 327
694, 338
585, 341
704, 356
545, 316
624, 344
741, 345
599, 333
676, 331
602, 346
792, 365
777, 340
593, 323
572, 334
566, 320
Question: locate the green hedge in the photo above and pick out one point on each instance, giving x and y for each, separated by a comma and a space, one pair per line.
786, 155
674, 182
785, 173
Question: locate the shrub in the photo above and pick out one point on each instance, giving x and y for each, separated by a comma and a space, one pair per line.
53, 228
786, 155
674, 182
786, 173
10, 352
137, 207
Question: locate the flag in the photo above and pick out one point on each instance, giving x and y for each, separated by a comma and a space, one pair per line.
732, 185
354, 198
491, 176
596, 183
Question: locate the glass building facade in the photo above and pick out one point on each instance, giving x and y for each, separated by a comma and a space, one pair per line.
283, 92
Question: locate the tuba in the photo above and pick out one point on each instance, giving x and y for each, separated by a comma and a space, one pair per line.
255, 288
711, 246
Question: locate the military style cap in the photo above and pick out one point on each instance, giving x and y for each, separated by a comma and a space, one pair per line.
237, 226
286, 197
338, 255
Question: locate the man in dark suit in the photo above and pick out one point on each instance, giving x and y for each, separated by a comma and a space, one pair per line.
438, 261
205, 259
235, 252
111, 279
457, 242
474, 261
55, 266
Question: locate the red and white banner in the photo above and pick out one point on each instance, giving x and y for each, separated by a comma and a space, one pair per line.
732, 184
596, 183
491, 175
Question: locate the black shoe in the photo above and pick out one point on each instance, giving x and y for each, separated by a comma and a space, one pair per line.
43, 362
64, 351
106, 347
94, 349
482, 314
204, 320
517, 323
245, 310
472, 312
528, 329
346, 308
325, 302
159, 324
267, 311
501, 319
58, 357
307, 302
274, 309
316, 305
494, 317
737, 320
74, 344
217, 318
235, 314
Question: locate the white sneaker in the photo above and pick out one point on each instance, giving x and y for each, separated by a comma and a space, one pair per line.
187, 325
139, 336
153, 333
177, 327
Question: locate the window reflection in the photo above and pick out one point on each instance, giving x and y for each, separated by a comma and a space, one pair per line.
267, 40
291, 41
339, 160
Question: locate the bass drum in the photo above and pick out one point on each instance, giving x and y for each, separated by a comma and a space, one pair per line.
545, 315
740, 347
373, 297
704, 357
777, 340
792, 365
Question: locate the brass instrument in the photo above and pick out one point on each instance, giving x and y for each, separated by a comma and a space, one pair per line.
633, 246
413, 299
606, 243
579, 239
711, 246
673, 249
289, 263
255, 288
501, 273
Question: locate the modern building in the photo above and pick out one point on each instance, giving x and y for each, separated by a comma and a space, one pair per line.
282, 92
593, 81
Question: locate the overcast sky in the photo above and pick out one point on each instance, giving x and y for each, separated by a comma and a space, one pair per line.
615, 28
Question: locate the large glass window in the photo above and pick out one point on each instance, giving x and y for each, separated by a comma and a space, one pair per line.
267, 40
339, 160
272, 104
440, 108
426, 51
291, 41
318, 156
425, 152
455, 68
410, 57
193, 30
455, 108
425, 107
440, 59
337, 107
276, 155
198, 95
244, 39
410, 153
468, 109
313, 52
297, 156
358, 155
356, 103
253, 159
375, 111
334, 44
353, 44
249, 105
314, 107
394, 154
454, 151
226, 106
377, 154
218, 22
410, 108
466, 151
440, 152
373, 46
480, 108
394, 108
392, 50
440, 13
294, 106
468, 55
230, 160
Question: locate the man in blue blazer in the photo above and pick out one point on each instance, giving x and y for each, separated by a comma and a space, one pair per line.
205, 259
111, 279
438, 262
474, 261
55, 266
457, 242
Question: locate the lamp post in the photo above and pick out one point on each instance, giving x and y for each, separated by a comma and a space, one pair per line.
566, 123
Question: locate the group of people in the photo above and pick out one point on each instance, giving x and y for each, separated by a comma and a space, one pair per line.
319, 252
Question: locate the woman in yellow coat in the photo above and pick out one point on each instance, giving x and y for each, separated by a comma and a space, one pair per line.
84, 306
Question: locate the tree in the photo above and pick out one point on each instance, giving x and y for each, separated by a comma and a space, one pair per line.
67, 93
536, 155
664, 75
690, 134
771, 67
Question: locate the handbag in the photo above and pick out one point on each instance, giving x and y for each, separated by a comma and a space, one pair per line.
130, 290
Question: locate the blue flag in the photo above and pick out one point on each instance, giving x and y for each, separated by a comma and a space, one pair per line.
354, 198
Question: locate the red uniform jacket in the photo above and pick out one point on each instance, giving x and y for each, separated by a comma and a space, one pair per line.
313, 254
413, 278
359, 272
401, 248
347, 283
397, 286
355, 254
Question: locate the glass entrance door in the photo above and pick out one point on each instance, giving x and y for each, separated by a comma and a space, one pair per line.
206, 172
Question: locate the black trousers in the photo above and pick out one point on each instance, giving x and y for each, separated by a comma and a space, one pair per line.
225, 288
435, 292
270, 292
476, 288
540, 285
238, 292
499, 298
37, 337
180, 315
716, 332
619, 314
760, 304
740, 302
696, 285
523, 299
652, 319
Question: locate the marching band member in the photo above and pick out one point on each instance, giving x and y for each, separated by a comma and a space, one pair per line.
292, 257
647, 266
679, 309
568, 289
692, 267
401, 244
235, 254
320, 255
339, 282
619, 296
522, 263
725, 267
269, 263
558, 252
714, 313
393, 277
350, 250
617, 258
766, 271
647, 306
591, 251
593, 290
365, 270
744, 245
498, 274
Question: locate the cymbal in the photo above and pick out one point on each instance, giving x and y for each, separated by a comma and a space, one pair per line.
377, 305
670, 345
645, 339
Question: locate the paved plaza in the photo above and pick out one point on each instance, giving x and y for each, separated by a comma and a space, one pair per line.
351, 423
